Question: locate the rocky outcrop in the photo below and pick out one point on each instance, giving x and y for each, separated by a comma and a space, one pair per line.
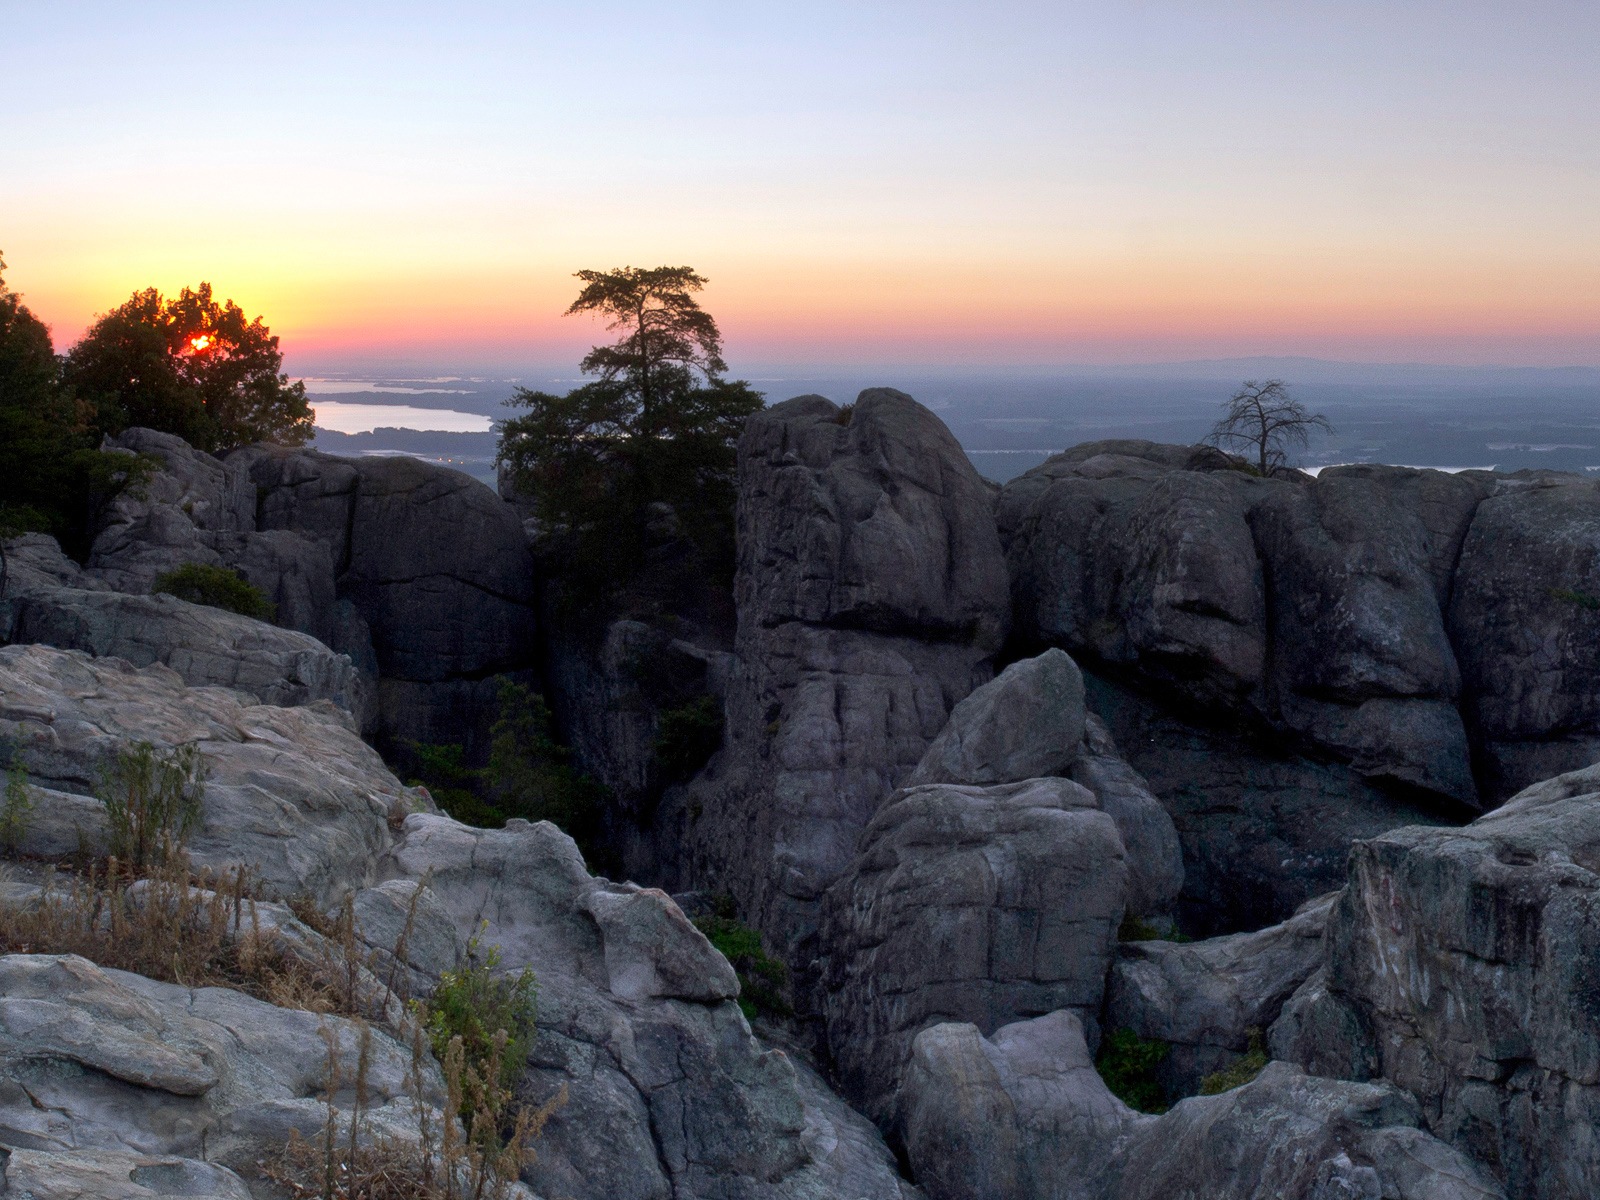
100, 1066
1461, 966
1525, 620
669, 1095
434, 563
979, 904
1023, 1114
1206, 999
871, 598
207, 647
292, 793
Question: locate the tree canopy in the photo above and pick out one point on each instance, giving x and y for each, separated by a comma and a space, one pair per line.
49, 471
190, 366
1266, 421
657, 427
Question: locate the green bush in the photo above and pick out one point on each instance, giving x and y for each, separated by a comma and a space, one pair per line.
530, 775
1240, 1071
17, 808
152, 800
762, 979
475, 1003
1136, 929
217, 587
687, 736
1128, 1063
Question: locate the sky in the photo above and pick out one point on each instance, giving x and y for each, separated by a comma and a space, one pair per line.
397, 185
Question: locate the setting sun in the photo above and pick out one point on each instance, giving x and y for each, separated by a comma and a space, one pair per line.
202, 342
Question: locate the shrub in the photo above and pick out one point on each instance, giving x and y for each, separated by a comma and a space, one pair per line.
762, 979
1240, 1071
216, 587
489, 1017
1128, 1063
530, 775
687, 736
17, 808
167, 925
152, 800
1136, 929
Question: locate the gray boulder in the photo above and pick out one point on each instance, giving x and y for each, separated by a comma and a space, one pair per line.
97, 1064
1524, 619
669, 1095
1155, 857
1205, 999
1023, 1114
1461, 966
114, 1175
207, 647
984, 905
292, 792
434, 564
1025, 724
871, 598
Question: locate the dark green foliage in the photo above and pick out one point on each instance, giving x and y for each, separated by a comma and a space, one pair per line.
1581, 599
16, 809
762, 979
152, 800
1128, 1063
51, 476
218, 587
529, 774
188, 366
687, 736
475, 1003
1240, 1071
658, 426
1135, 929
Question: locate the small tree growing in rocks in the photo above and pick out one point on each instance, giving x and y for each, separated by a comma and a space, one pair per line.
1264, 420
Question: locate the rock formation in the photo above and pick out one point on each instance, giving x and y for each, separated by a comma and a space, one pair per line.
871, 598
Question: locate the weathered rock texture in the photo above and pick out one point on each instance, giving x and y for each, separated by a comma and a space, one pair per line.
983, 905
669, 1095
1462, 966
1366, 612
871, 597
1023, 1115
99, 1065
1205, 999
293, 793
419, 573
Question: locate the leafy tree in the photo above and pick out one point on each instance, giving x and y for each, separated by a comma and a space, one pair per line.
50, 474
192, 367
657, 426
1265, 420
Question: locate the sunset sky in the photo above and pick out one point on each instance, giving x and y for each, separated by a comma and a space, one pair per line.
999, 183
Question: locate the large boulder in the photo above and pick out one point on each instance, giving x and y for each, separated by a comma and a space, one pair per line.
871, 598
1307, 619
1025, 724
983, 905
668, 1093
292, 793
433, 562
1461, 965
1022, 1114
207, 647
1525, 620
99, 1065
1208, 1000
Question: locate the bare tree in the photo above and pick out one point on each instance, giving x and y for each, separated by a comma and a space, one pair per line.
1264, 419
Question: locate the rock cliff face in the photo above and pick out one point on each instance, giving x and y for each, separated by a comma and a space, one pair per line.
1462, 966
871, 598
419, 574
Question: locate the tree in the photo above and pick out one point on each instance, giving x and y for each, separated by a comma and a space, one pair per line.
50, 474
657, 427
192, 367
1267, 421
